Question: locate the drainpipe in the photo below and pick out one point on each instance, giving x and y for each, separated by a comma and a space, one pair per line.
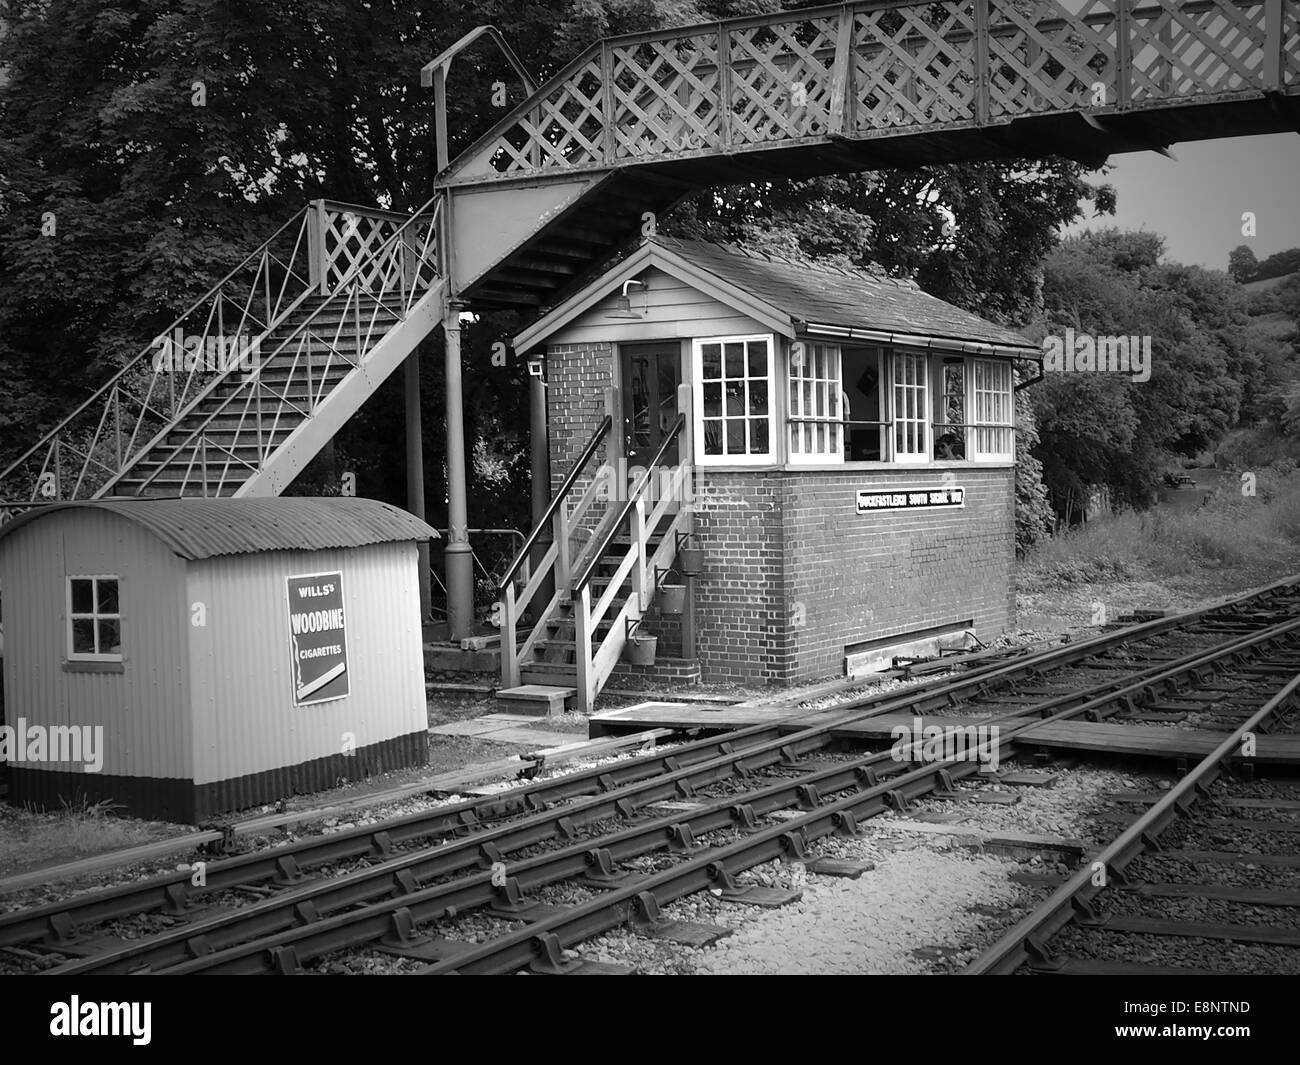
458, 553
540, 470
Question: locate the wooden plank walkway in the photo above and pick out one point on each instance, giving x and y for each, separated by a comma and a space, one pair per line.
681, 716
881, 727
1151, 741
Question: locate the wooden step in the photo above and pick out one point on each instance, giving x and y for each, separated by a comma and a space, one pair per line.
541, 699
555, 674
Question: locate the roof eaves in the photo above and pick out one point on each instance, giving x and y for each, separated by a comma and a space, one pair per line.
962, 344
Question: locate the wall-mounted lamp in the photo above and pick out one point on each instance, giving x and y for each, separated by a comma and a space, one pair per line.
623, 305
535, 367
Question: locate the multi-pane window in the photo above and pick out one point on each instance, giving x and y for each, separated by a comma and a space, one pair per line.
94, 619
994, 435
733, 400
816, 417
911, 421
950, 408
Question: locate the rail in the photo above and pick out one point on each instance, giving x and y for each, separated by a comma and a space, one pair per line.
1027, 939
327, 249
597, 654
101, 433
555, 561
370, 281
597, 437
635, 496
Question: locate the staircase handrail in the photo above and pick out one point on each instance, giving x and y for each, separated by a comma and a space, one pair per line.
611, 530
107, 386
597, 436
252, 379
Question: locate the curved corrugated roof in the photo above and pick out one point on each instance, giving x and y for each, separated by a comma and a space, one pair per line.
205, 528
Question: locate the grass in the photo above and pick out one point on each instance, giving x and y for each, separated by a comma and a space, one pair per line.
30, 838
1230, 530
1165, 557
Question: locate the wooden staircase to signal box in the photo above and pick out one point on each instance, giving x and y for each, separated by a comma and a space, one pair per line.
601, 587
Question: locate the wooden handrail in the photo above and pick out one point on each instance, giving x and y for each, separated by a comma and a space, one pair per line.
601, 431
594, 560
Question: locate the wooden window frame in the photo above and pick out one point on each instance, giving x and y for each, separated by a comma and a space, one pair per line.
96, 615
701, 457
833, 421
925, 422
998, 430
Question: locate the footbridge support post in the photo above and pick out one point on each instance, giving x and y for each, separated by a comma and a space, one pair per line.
458, 553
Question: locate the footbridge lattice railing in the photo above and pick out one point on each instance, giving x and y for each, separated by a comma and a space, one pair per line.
875, 69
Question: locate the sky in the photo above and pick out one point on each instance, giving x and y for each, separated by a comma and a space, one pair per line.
1197, 200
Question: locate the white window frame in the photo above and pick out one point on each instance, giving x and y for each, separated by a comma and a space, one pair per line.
95, 615
701, 456
831, 386
939, 361
1006, 394
920, 386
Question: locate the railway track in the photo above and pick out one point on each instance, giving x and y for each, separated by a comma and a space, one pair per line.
1100, 918
733, 801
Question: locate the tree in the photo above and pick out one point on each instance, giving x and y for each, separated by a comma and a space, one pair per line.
1242, 264
1207, 369
157, 196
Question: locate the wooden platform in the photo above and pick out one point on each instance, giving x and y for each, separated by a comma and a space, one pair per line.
1152, 741
680, 716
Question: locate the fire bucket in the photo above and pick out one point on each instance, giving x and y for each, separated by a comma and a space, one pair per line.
640, 651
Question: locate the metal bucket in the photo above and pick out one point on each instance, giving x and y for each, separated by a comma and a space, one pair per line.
641, 651
672, 597
691, 560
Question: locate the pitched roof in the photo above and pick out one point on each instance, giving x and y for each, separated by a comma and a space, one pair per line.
846, 297
205, 528
796, 295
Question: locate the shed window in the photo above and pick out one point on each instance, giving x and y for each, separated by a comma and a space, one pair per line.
733, 400
816, 403
94, 619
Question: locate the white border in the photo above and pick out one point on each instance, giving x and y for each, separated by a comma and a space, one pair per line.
82, 656
293, 662
772, 457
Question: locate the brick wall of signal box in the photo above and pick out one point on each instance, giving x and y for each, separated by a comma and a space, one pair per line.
793, 574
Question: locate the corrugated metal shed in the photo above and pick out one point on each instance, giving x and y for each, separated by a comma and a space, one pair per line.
207, 528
